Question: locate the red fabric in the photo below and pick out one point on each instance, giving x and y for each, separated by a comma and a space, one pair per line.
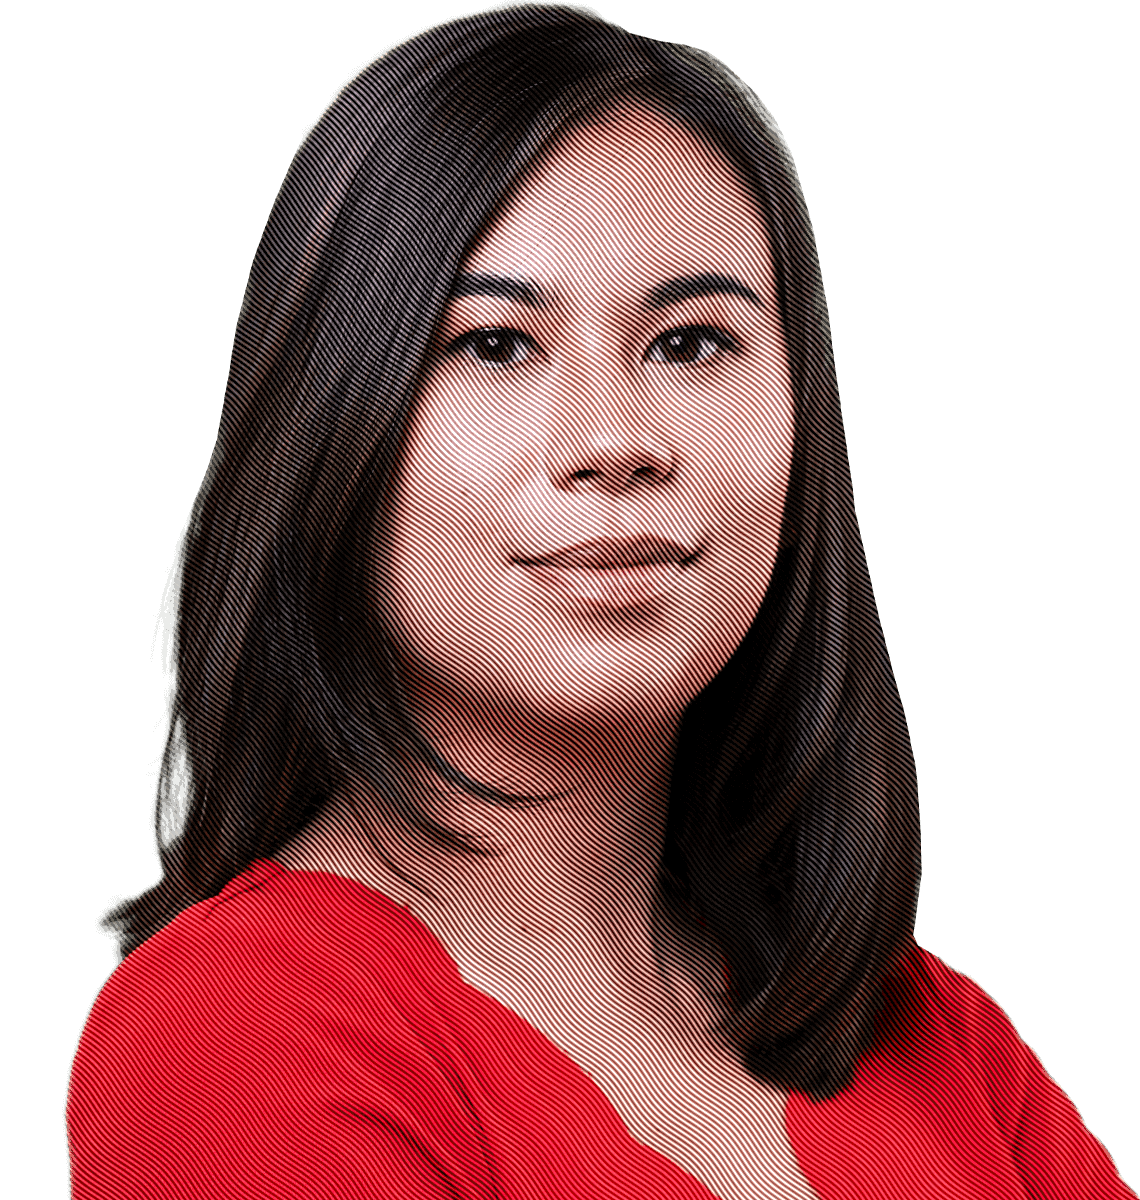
303, 1036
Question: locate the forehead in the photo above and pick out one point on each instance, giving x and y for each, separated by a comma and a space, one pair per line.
629, 192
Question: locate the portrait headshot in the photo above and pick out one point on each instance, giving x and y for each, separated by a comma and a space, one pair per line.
601, 637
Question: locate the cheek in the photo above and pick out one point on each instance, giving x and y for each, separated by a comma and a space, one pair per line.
750, 460
444, 535
455, 458
746, 426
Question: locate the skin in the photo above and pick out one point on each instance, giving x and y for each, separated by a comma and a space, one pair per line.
592, 410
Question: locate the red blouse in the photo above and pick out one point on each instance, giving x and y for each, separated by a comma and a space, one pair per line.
304, 1036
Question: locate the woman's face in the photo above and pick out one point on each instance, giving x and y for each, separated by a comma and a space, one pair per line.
588, 505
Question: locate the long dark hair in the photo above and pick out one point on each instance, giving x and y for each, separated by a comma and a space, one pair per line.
793, 823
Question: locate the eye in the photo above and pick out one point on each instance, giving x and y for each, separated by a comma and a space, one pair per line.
693, 343
497, 347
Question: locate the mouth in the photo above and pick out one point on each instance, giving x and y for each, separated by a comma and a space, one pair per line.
615, 554
610, 574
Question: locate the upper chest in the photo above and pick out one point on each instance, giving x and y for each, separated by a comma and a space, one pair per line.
687, 1099
682, 1095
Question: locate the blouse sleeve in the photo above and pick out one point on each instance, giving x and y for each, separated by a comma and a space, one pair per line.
1055, 1155
241, 1088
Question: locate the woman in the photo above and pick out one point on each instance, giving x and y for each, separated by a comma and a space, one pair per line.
539, 811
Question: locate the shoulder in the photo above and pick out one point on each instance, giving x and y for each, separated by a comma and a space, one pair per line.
928, 1004
944, 1031
296, 1016
271, 945
948, 1100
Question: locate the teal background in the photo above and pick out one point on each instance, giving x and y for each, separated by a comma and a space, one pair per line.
970, 171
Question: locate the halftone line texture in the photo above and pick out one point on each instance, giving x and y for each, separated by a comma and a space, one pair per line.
302, 1035
298, 1035
793, 826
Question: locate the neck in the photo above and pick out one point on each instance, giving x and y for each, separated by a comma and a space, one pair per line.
570, 892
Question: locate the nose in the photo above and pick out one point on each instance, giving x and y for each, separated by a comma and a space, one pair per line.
610, 461
611, 447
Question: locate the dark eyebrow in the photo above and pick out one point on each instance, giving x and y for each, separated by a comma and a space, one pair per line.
685, 287
476, 284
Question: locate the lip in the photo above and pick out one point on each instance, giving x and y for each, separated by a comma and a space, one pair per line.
610, 574
612, 554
